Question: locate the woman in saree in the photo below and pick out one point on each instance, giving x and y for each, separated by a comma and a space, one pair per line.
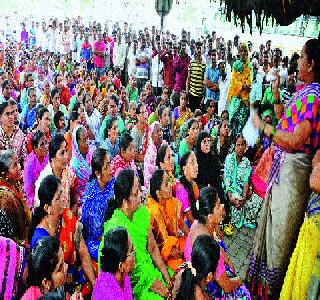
188, 143
165, 162
187, 191
43, 124
155, 140
305, 258
50, 218
12, 264
237, 172
12, 200
239, 91
99, 190
208, 213
47, 269
58, 166
35, 162
165, 218
149, 277
296, 139
125, 158
80, 162
180, 115
117, 260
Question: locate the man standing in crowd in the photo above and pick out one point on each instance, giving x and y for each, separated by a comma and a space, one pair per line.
119, 54
143, 65
167, 58
195, 86
99, 49
211, 79
180, 66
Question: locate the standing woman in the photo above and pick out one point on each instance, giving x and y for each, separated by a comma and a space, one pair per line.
239, 91
305, 258
296, 139
81, 158
98, 192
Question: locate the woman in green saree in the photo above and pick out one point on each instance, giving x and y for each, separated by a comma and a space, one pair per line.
149, 277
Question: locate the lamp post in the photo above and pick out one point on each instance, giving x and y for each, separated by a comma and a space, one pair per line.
162, 7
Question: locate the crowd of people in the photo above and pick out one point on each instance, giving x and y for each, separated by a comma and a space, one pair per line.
123, 164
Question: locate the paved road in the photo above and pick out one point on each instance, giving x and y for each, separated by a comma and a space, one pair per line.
239, 246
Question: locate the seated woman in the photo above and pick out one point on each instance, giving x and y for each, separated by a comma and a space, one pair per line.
59, 123
12, 200
302, 277
117, 260
125, 157
99, 190
58, 166
112, 113
237, 171
164, 120
52, 219
180, 115
209, 169
43, 124
111, 143
164, 161
149, 275
210, 119
192, 279
208, 213
80, 162
140, 135
155, 140
35, 162
131, 118
224, 117
75, 120
188, 143
165, 217
187, 191
221, 142
12, 279
47, 269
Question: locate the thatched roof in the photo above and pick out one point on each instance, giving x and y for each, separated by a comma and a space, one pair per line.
283, 12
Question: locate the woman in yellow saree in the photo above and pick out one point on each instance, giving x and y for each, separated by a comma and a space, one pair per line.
305, 256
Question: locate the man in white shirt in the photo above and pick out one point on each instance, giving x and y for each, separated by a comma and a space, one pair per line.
119, 54
224, 82
142, 63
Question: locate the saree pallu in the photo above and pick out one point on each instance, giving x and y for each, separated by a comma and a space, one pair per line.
280, 221
238, 115
304, 257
